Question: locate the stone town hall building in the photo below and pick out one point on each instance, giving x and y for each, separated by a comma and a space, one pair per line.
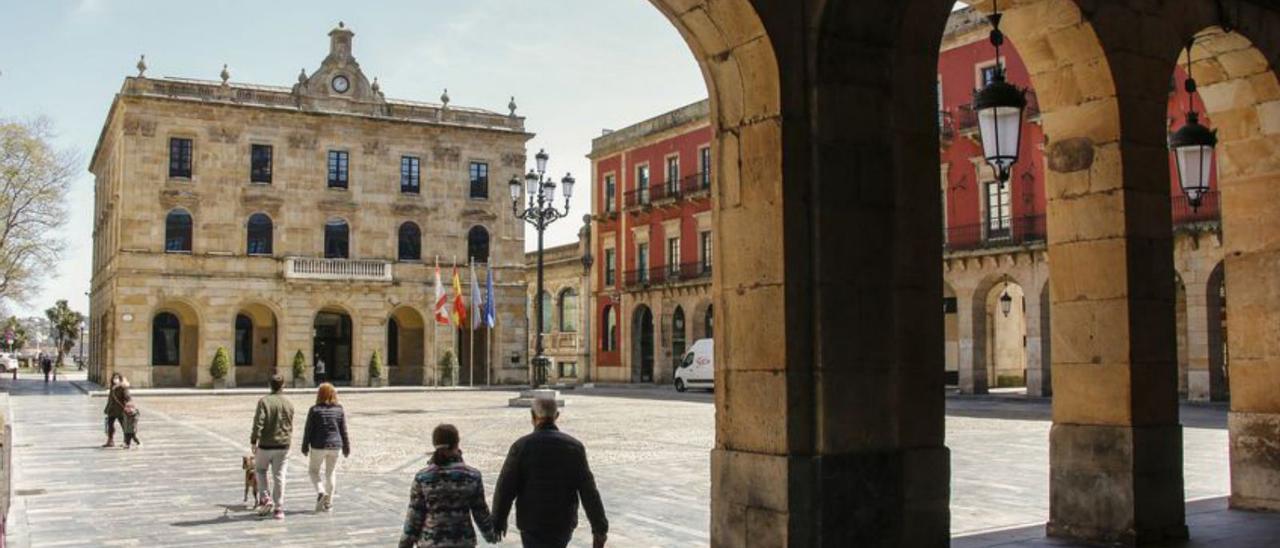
270, 221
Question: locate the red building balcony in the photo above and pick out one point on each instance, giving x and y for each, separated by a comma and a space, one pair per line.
1184, 214
666, 193
1020, 231
662, 275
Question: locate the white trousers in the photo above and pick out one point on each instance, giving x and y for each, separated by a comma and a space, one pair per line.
329, 458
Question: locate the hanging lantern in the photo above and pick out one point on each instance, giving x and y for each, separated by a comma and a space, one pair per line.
1006, 303
1000, 105
1192, 147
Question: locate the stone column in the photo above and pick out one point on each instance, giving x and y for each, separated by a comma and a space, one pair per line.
972, 342
1197, 295
1038, 383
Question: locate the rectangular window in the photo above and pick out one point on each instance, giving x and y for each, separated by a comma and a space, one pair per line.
673, 174
610, 193
673, 255
569, 369
480, 180
642, 263
704, 250
339, 161
180, 158
610, 262
410, 183
704, 167
642, 183
988, 73
260, 164
998, 214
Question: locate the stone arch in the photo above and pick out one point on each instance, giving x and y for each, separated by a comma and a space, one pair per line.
644, 344
1235, 69
263, 342
335, 340
406, 346
999, 339
181, 346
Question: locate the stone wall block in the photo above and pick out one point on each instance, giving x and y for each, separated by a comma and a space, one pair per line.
745, 421
1255, 460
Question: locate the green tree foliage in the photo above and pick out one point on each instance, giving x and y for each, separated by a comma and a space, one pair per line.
299, 365
375, 365
20, 336
65, 324
34, 179
221, 364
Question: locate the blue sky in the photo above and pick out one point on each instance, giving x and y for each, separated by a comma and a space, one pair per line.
574, 66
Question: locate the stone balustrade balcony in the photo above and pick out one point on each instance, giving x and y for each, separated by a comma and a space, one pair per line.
306, 268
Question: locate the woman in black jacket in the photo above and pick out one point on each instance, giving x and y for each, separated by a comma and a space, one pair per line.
325, 434
117, 398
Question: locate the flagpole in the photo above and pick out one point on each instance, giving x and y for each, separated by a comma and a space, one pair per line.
471, 330
435, 332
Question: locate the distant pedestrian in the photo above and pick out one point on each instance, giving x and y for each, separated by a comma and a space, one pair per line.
46, 365
545, 475
270, 438
444, 498
321, 374
117, 398
323, 436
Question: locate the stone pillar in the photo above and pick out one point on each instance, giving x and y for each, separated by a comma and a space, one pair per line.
972, 342
1197, 295
1037, 313
1250, 209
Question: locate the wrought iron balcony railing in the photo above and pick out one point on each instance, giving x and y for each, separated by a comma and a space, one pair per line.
690, 184
661, 275
1018, 231
1184, 214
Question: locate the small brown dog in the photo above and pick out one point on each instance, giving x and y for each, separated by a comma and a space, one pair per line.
250, 480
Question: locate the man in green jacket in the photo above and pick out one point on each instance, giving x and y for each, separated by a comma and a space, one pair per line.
272, 429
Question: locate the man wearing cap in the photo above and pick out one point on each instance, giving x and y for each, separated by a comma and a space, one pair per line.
545, 475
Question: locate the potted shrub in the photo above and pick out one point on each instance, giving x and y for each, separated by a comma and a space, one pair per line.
376, 377
447, 365
299, 370
221, 366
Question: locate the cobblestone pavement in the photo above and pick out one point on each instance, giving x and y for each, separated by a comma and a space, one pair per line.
648, 449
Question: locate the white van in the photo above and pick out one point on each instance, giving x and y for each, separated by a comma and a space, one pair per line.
697, 369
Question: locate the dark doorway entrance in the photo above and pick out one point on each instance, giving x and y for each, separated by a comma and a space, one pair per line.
480, 368
332, 344
642, 356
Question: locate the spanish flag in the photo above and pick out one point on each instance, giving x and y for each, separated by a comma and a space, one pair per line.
459, 305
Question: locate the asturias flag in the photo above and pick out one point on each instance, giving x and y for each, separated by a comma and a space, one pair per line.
459, 304
475, 299
490, 315
442, 301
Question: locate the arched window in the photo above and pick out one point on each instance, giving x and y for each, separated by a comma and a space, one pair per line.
336, 239
393, 342
259, 234
478, 245
410, 242
546, 312
166, 334
568, 310
244, 340
609, 336
177, 232
707, 322
677, 335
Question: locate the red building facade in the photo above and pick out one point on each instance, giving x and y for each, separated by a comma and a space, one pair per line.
651, 207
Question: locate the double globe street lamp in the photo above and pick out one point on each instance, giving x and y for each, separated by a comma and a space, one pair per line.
540, 211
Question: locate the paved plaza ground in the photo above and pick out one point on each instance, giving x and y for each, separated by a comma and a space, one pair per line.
648, 449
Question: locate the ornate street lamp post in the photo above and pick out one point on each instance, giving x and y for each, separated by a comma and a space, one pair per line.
1193, 146
999, 105
539, 211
